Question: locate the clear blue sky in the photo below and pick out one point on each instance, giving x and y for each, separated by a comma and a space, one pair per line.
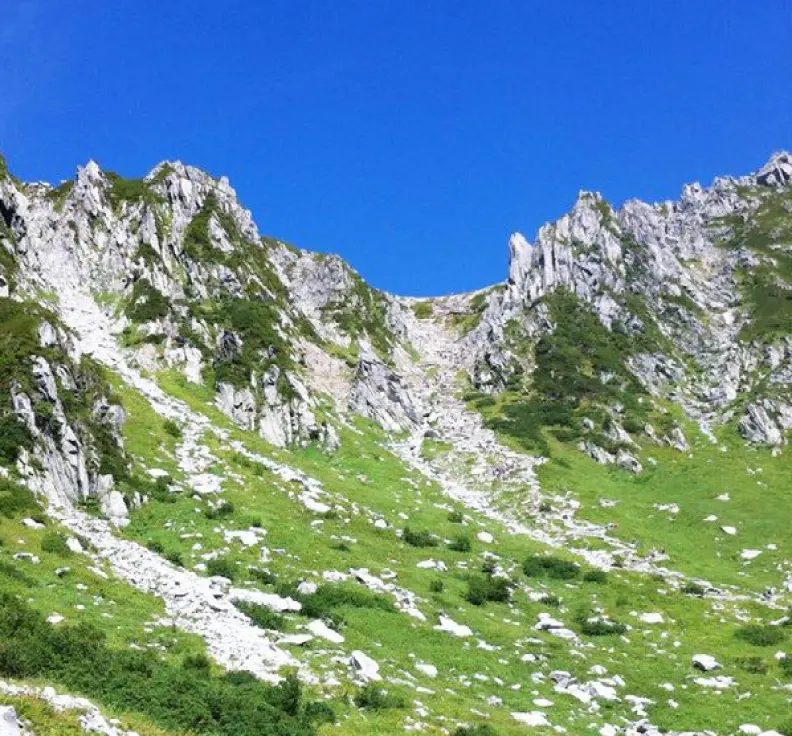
411, 138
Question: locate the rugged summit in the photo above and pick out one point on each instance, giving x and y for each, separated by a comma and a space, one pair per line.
460, 515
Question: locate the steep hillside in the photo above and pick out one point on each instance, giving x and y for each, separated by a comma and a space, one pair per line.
243, 492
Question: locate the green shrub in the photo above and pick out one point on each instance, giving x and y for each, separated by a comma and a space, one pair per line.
550, 600
482, 729
172, 428
599, 627
175, 558
761, 636
595, 576
419, 538
14, 436
754, 665
785, 728
222, 567
423, 310
146, 304
262, 616
55, 543
155, 546
456, 517
265, 577
692, 588
224, 509
437, 586
197, 663
461, 543
182, 699
15, 499
483, 588
786, 666
318, 711
373, 697
330, 596
9, 570
550, 567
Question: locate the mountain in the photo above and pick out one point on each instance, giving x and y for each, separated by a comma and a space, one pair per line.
244, 492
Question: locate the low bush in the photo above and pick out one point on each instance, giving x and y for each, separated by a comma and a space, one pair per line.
175, 558
265, 577
550, 600
262, 616
9, 570
456, 517
171, 696
55, 543
692, 588
419, 538
600, 627
786, 666
373, 697
423, 310
226, 508
461, 543
437, 586
484, 588
761, 636
197, 663
14, 436
15, 499
482, 729
172, 428
595, 576
155, 546
222, 567
537, 566
754, 665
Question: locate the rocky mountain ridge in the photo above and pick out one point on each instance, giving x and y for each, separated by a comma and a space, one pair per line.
278, 378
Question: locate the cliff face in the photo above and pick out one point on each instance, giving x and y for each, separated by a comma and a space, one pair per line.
686, 304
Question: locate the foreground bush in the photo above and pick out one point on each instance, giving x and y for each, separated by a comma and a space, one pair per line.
483, 729
262, 616
419, 538
186, 698
761, 636
375, 698
483, 588
537, 566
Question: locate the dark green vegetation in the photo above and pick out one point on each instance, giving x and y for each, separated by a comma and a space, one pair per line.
766, 287
331, 600
419, 537
468, 321
19, 344
186, 698
550, 567
363, 312
15, 499
262, 616
122, 191
580, 371
373, 697
146, 303
423, 310
483, 588
761, 636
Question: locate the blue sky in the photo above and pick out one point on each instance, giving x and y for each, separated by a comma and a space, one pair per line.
411, 138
